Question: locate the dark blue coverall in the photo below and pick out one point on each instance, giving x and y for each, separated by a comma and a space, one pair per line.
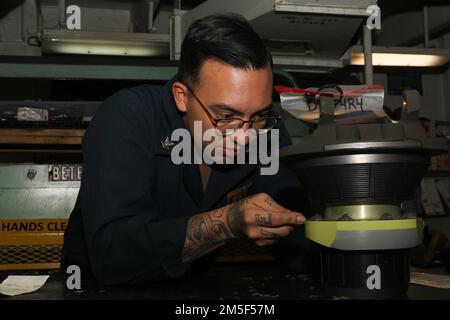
130, 219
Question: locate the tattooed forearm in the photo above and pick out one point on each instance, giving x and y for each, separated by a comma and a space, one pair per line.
208, 231
203, 227
219, 212
204, 233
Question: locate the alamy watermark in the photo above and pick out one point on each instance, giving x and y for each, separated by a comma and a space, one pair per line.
374, 280
235, 147
374, 19
73, 281
73, 17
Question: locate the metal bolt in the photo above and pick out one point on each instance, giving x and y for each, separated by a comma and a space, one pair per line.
31, 174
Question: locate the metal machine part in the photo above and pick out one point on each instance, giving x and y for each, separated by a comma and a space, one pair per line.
366, 235
346, 273
363, 212
36, 201
362, 178
357, 176
301, 40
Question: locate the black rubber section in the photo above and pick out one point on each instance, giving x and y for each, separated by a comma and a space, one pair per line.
346, 274
366, 183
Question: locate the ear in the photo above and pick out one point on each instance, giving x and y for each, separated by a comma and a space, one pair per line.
179, 92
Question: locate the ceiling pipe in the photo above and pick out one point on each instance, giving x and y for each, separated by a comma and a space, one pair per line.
425, 27
368, 66
61, 13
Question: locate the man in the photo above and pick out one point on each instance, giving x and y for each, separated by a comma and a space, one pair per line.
141, 217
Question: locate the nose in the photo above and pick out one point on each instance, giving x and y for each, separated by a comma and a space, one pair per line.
246, 126
243, 135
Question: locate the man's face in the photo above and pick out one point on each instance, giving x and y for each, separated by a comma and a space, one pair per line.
227, 92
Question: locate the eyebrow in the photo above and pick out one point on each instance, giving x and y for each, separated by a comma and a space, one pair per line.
266, 108
224, 107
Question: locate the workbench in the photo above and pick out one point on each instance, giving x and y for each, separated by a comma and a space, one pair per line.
243, 281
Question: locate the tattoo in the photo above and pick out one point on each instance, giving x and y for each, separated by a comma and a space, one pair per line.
263, 220
219, 213
235, 219
208, 231
269, 234
269, 201
204, 234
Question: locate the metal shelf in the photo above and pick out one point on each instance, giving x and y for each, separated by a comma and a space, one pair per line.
86, 68
67, 137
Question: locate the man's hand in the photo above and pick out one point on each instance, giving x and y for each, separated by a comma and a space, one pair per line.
257, 217
261, 219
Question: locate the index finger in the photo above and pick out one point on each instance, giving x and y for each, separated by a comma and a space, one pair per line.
276, 219
267, 202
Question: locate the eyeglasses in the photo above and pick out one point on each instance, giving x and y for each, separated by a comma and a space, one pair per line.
227, 126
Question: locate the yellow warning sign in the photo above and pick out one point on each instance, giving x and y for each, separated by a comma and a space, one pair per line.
33, 226
32, 231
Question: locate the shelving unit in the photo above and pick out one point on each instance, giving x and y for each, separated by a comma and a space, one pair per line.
32, 137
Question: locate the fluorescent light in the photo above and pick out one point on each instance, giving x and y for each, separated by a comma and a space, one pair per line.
100, 49
400, 59
105, 43
403, 57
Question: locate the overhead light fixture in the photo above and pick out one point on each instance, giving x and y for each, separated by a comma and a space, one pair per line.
402, 56
105, 43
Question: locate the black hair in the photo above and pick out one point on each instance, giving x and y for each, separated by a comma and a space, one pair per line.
227, 37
